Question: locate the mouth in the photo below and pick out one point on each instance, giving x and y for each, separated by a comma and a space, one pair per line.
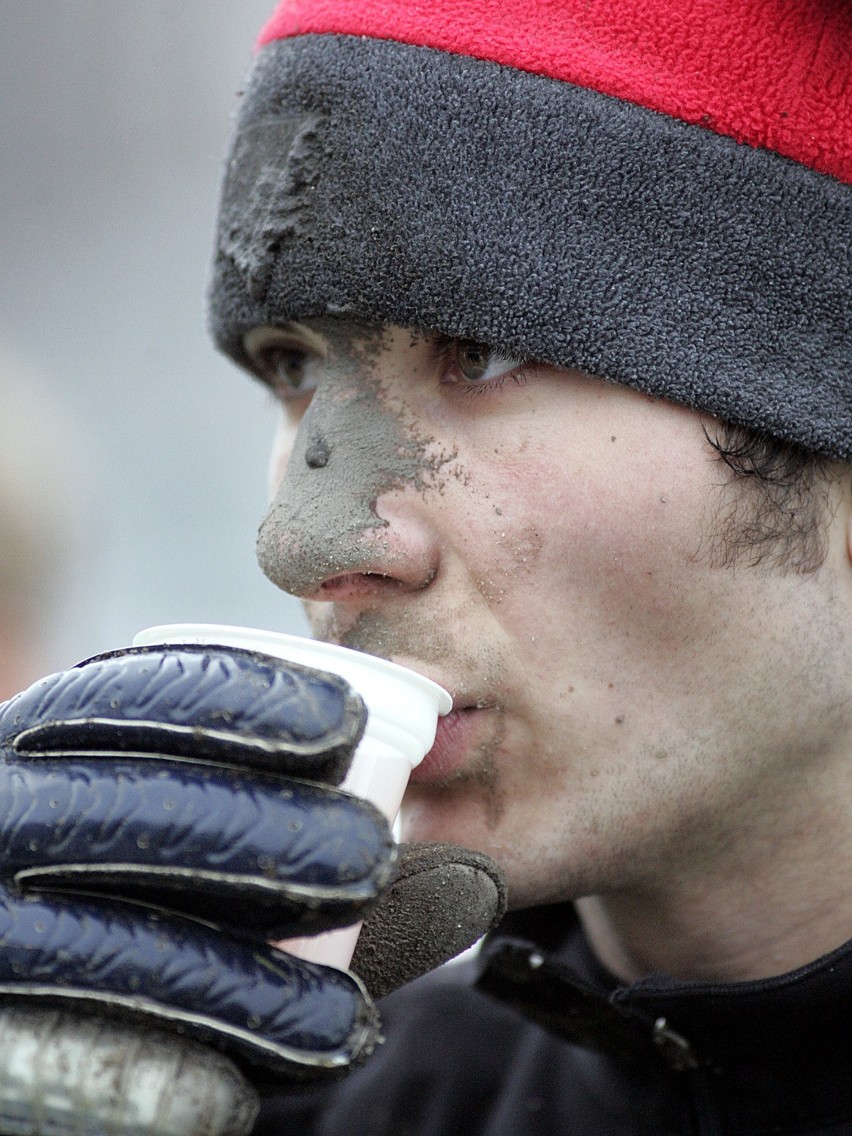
457, 738
463, 734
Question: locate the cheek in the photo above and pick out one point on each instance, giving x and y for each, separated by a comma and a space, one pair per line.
630, 533
598, 551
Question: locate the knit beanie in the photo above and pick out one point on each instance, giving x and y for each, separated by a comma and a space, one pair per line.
650, 191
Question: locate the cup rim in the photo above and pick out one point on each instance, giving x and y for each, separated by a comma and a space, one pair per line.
213, 633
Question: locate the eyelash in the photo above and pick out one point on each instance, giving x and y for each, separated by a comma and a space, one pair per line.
473, 390
446, 346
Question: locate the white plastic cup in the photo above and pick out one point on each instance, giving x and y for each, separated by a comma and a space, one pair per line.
403, 709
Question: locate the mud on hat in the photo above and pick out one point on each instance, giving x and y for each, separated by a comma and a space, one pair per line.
653, 192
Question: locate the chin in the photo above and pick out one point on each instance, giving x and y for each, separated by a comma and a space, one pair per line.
545, 861
439, 816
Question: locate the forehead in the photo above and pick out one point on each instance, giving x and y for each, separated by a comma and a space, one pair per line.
340, 331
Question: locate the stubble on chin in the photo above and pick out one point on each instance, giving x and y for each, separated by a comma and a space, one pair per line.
486, 775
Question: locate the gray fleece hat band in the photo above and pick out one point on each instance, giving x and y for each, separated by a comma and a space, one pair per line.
388, 183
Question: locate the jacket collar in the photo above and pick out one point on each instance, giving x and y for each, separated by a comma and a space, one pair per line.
778, 1050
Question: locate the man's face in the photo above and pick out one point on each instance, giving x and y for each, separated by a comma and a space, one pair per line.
540, 543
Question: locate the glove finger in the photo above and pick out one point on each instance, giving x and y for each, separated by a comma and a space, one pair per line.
265, 1009
196, 702
441, 901
90, 1075
269, 856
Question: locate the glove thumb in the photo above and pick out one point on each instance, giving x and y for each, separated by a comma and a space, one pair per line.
443, 898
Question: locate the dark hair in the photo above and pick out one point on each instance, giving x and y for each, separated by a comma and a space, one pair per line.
775, 512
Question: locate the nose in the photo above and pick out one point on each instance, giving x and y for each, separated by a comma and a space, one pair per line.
349, 519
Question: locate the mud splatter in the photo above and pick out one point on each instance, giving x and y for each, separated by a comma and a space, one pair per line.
521, 552
422, 636
352, 446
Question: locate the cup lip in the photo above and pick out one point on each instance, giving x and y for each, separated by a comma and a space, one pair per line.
213, 633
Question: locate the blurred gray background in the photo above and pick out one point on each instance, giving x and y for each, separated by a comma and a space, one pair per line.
114, 119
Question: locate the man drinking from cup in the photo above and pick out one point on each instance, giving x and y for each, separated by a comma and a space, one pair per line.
555, 302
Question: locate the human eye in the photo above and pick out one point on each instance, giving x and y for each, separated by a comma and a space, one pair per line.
285, 359
477, 366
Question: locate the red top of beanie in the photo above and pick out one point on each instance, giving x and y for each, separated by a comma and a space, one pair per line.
772, 73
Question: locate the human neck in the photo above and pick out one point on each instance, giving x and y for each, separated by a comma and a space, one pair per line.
763, 912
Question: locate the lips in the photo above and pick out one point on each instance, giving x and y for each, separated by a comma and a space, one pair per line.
455, 739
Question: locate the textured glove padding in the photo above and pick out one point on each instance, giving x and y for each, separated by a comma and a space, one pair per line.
155, 774
166, 811
442, 900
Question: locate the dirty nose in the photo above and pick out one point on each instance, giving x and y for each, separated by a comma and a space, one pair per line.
352, 460
316, 525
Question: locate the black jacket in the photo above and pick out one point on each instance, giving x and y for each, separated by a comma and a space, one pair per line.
656, 1058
